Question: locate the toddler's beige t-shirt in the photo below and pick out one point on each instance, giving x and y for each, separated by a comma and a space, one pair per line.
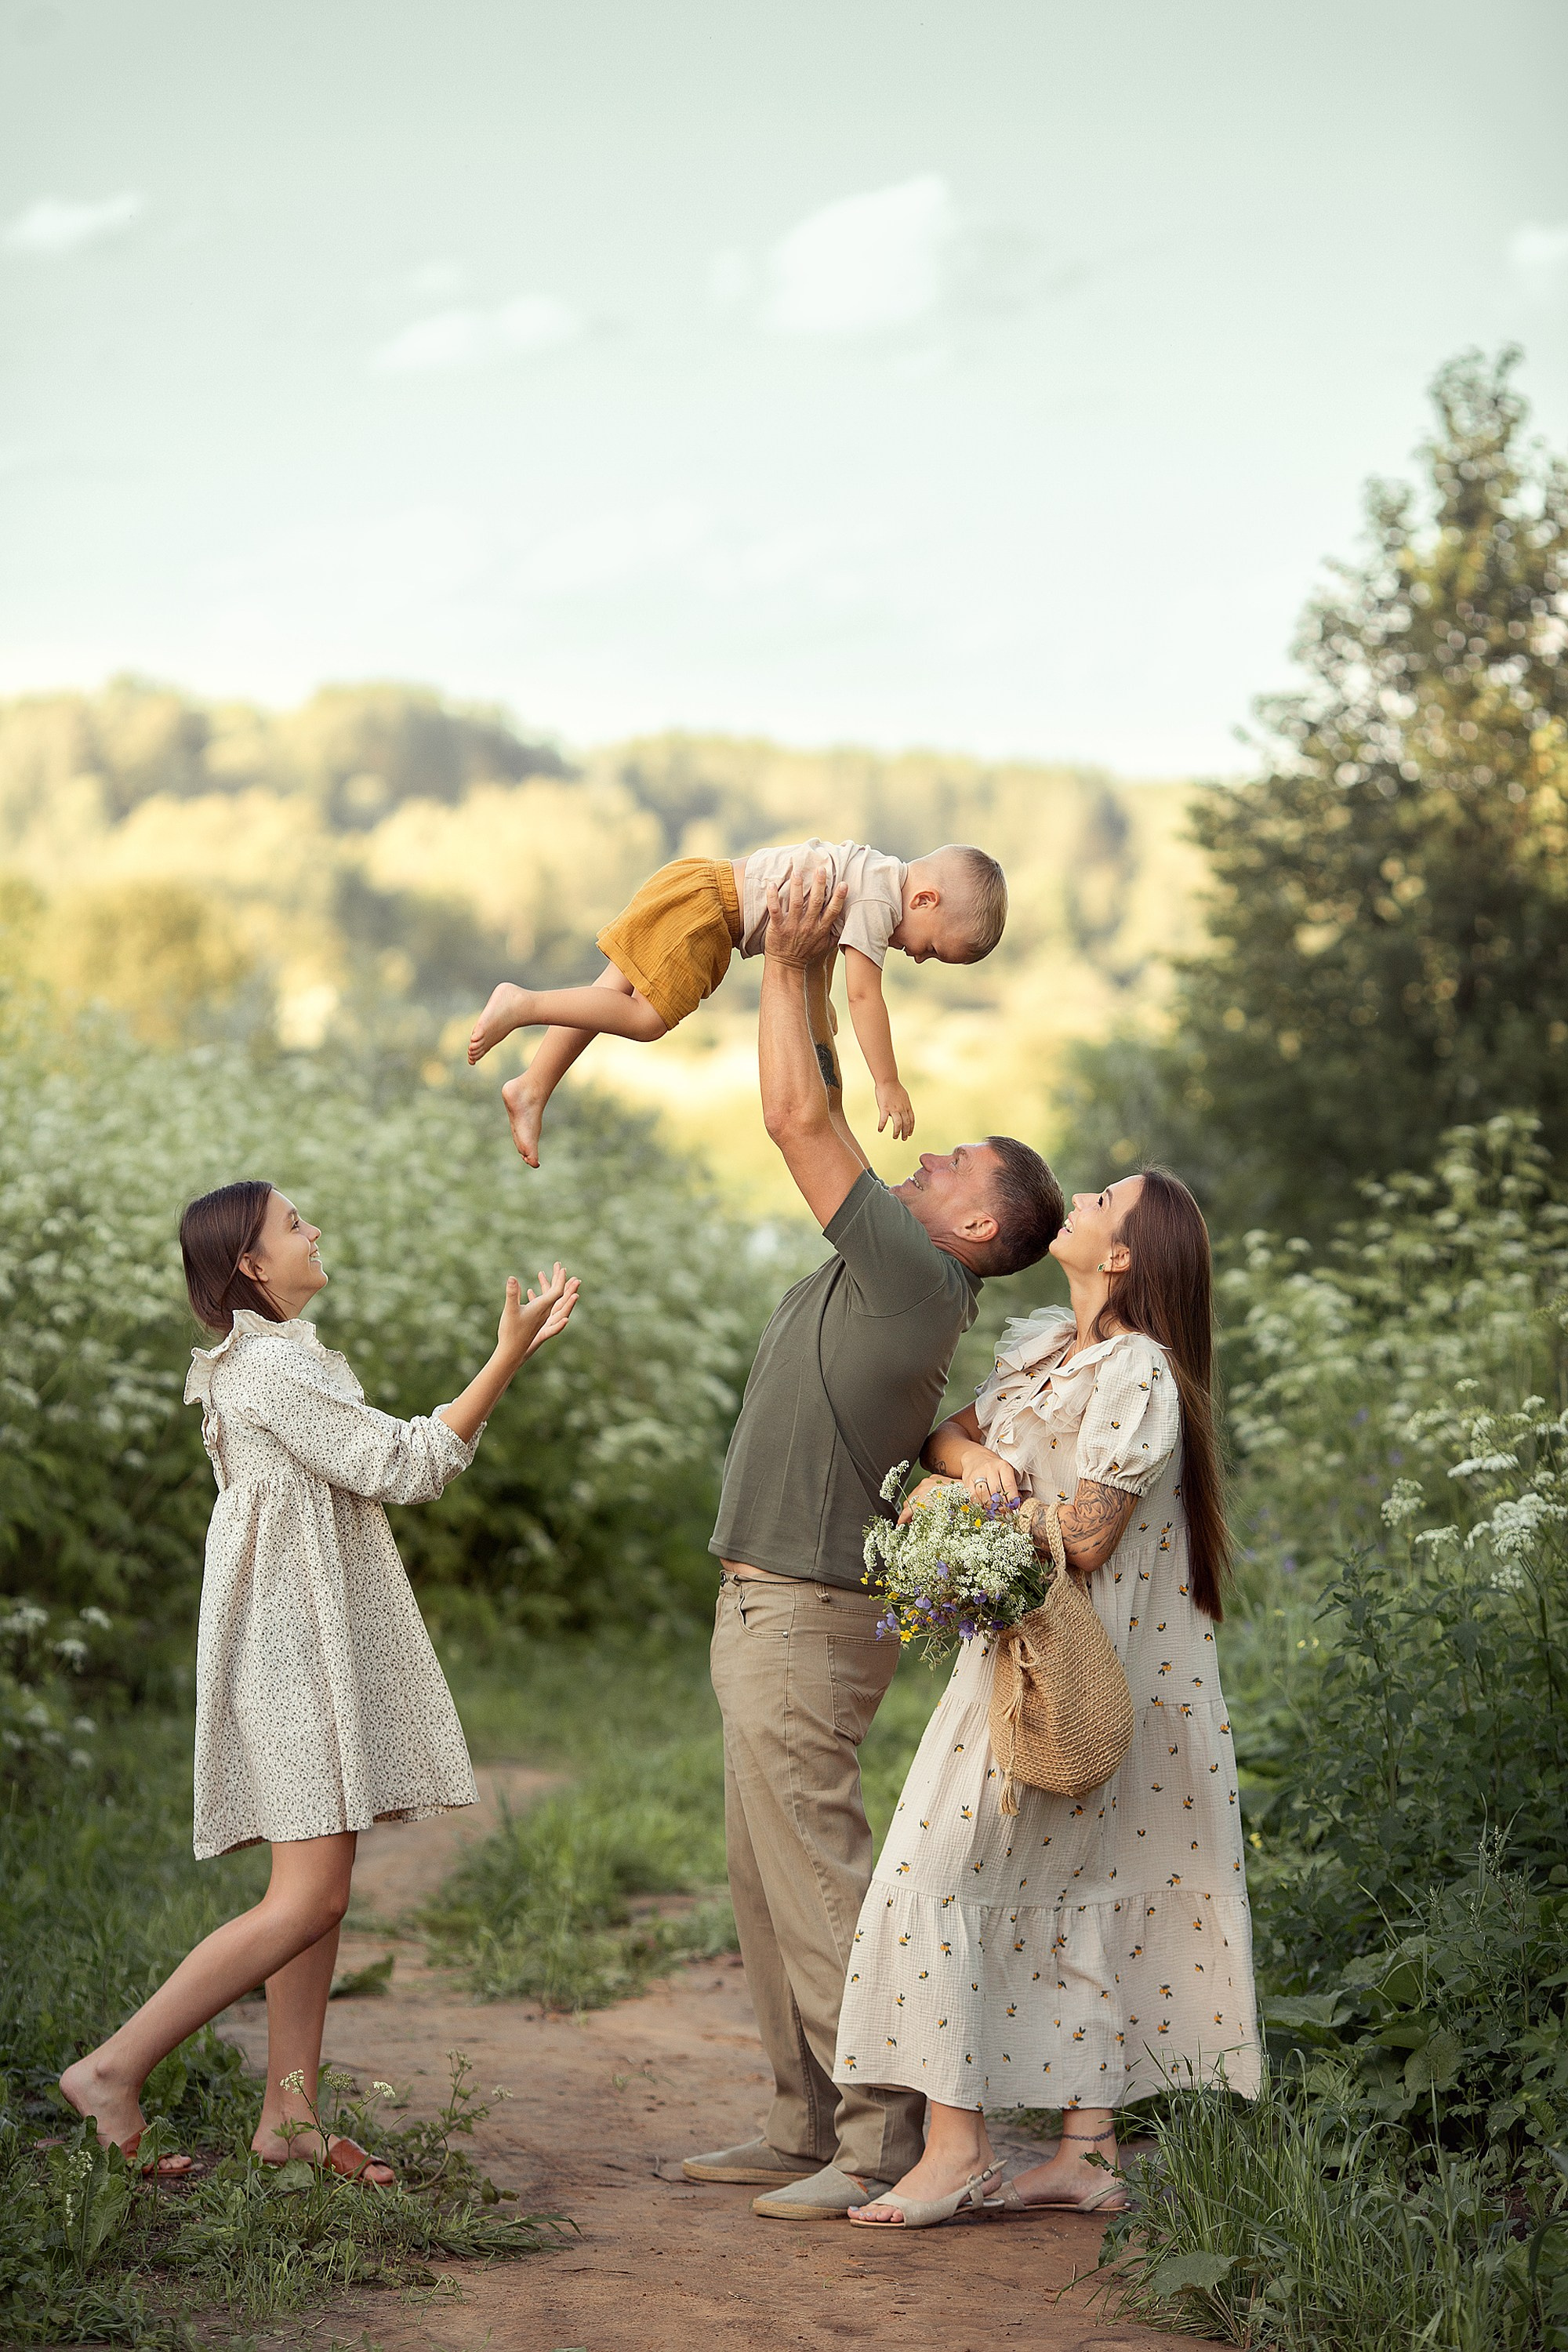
876, 901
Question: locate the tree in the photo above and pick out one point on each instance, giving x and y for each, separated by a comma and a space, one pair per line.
1389, 916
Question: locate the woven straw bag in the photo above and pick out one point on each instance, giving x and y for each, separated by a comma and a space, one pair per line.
1062, 1713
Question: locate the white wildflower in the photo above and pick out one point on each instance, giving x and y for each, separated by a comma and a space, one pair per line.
1403, 1501
957, 1569
1518, 1525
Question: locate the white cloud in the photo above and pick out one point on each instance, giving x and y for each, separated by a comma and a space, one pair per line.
1538, 257
864, 264
55, 224
470, 339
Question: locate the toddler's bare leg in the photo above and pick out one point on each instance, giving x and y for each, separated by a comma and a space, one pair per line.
612, 1006
526, 1094
819, 1014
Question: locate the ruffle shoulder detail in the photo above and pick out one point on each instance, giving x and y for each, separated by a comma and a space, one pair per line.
1028, 1339
249, 1324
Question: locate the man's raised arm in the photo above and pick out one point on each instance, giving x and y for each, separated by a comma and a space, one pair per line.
801, 1118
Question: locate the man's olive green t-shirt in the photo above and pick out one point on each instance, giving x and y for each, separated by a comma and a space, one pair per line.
846, 1382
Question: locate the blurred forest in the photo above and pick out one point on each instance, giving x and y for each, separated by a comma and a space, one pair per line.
367, 867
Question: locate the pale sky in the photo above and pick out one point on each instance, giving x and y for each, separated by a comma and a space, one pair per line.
987, 373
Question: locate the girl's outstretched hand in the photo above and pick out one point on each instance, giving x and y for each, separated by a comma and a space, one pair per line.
525, 1325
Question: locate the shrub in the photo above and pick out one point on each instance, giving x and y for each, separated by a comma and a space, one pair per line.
1397, 1409
591, 1496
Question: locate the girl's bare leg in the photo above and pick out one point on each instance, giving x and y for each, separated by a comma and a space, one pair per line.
526, 1094
296, 2011
956, 2147
819, 1013
305, 1900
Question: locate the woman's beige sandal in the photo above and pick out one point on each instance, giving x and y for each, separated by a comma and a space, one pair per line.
1012, 2200
1008, 2200
925, 2212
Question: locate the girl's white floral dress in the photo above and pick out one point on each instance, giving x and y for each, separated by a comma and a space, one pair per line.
319, 1705
1084, 1950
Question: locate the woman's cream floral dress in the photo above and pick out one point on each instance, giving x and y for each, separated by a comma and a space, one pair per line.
320, 1705
1082, 1951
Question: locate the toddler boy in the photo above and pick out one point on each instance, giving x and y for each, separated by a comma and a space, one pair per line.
671, 947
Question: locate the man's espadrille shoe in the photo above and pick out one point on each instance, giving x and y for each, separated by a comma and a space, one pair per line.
757, 2164
826, 2196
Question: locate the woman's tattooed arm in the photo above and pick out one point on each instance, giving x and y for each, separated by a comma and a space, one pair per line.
1091, 1525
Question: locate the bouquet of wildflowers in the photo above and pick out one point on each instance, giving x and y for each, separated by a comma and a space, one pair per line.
957, 1569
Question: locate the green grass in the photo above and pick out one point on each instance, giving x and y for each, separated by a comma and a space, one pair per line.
587, 1895
100, 1898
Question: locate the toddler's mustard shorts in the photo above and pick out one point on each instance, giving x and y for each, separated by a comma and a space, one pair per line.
675, 939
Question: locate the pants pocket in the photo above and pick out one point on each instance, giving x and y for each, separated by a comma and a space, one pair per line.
859, 1669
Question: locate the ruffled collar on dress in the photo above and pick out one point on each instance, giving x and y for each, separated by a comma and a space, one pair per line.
1035, 1372
198, 1380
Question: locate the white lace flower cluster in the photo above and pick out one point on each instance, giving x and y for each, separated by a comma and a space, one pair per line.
958, 1568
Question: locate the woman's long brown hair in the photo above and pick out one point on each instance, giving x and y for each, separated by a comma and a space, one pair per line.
216, 1232
1167, 1293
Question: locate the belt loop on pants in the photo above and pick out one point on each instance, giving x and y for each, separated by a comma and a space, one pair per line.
739, 1584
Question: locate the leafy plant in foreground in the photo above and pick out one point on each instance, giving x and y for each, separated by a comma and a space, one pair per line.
1285, 2225
1459, 2025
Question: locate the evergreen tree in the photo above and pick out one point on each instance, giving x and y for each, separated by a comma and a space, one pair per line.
1389, 921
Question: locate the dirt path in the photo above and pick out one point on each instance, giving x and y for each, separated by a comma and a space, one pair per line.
602, 2109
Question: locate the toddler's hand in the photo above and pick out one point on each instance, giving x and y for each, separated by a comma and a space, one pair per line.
525, 1327
893, 1103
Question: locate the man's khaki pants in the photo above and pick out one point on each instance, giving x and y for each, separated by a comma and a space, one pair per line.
799, 1673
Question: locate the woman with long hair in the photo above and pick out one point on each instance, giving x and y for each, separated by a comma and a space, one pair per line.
1086, 1951
319, 1705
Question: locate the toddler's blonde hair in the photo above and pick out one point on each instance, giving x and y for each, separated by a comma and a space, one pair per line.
985, 887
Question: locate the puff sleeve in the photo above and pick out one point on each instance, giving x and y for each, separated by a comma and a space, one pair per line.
1132, 1423
276, 1386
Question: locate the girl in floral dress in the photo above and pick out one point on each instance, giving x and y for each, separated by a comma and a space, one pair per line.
1085, 1951
319, 1705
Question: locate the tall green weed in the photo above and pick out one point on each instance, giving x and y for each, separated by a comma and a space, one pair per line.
1289, 2225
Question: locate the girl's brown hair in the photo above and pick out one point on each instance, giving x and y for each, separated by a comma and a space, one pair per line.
1167, 1293
216, 1232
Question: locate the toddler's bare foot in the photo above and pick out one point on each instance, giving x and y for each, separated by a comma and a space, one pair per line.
510, 1008
525, 1109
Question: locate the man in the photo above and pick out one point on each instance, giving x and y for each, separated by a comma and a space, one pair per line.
846, 1382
